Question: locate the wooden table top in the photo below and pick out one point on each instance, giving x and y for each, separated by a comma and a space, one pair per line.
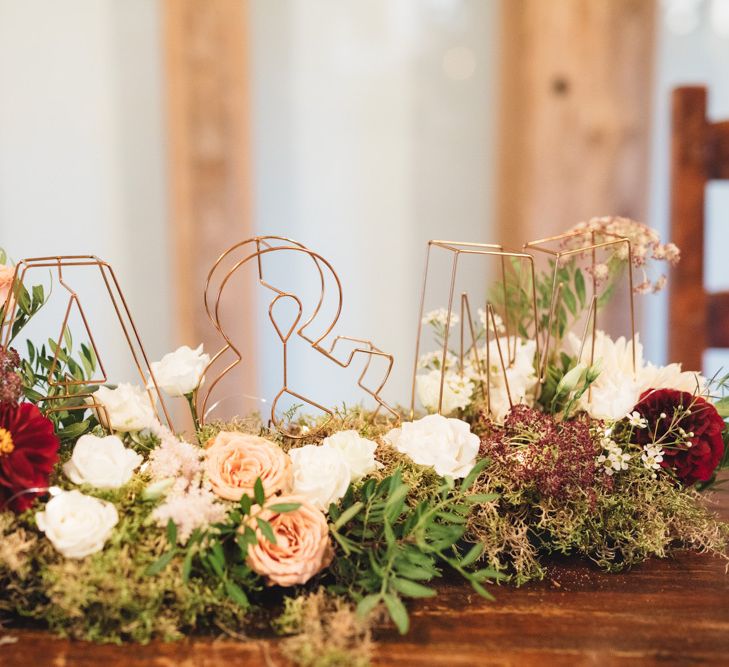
673, 611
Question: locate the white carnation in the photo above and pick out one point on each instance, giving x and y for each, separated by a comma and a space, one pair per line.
521, 374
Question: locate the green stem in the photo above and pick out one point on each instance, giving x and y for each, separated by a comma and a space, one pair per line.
192, 403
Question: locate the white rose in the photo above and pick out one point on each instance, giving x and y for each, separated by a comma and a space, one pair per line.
445, 444
102, 462
321, 474
179, 373
77, 525
128, 407
457, 391
358, 452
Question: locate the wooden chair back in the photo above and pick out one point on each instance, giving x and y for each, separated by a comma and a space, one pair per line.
700, 153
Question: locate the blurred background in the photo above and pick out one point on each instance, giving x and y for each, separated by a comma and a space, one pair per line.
156, 133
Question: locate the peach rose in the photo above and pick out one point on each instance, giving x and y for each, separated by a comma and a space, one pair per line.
302, 545
6, 282
233, 462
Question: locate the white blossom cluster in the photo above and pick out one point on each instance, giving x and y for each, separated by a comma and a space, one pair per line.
439, 318
613, 458
652, 457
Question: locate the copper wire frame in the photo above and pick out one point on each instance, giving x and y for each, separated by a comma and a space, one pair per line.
124, 317
458, 248
262, 246
542, 246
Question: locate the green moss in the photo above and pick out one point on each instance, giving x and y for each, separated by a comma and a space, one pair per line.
108, 597
252, 425
324, 631
639, 518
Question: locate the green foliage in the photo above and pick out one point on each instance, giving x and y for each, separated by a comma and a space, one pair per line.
391, 549
641, 518
572, 303
55, 377
27, 305
251, 425
50, 373
516, 293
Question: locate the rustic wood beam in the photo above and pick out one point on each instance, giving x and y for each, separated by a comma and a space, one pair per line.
208, 112
575, 115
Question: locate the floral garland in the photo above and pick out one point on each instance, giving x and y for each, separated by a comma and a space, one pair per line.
117, 529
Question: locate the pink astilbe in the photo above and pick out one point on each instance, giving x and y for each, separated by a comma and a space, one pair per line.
174, 457
196, 507
190, 502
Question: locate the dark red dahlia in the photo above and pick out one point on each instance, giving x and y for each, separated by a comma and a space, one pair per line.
28, 452
687, 427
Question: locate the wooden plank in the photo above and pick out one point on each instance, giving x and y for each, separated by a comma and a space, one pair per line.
718, 318
689, 158
575, 119
719, 163
208, 110
575, 116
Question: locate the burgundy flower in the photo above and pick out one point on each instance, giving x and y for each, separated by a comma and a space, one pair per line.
28, 452
557, 458
11, 384
688, 428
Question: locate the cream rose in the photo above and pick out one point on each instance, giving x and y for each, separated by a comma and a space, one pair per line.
233, 462
101, 462
77, 525
302, 546
358, 452
128, 408
321, 474
179, 373
445, 444
6, 282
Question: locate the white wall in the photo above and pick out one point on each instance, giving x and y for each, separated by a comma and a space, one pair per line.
698, 57
373, 132
82, 143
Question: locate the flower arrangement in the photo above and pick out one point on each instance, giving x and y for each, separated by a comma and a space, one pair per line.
115, 529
